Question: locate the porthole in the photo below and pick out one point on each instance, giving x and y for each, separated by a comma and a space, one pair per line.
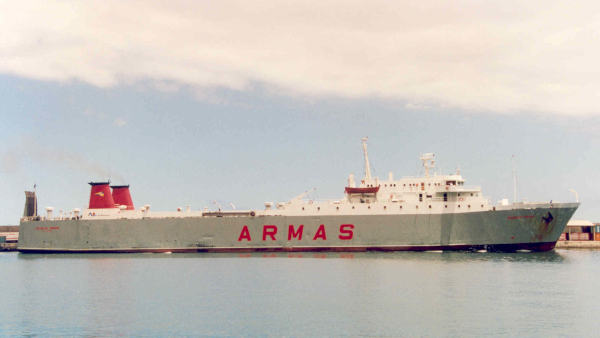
338, 208
429, 184
471, 194
430, 207
459, 205
446, 206
319, 208
302, 208
352, 208
417, 207
458, 194
482, 205
369, 207
400, 207
384, 207
469, 206
385, 186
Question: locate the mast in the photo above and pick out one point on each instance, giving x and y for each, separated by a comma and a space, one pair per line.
35, 199
514, 181
368, 169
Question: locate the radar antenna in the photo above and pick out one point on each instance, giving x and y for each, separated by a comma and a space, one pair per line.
428, 163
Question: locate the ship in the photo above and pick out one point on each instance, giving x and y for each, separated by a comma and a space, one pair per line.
427, 212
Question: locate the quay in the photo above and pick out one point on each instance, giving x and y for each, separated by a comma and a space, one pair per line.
8, 246
578, 245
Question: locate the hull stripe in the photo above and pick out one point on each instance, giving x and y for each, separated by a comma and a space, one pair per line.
541, 247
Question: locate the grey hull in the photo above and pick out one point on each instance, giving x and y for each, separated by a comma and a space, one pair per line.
531, 228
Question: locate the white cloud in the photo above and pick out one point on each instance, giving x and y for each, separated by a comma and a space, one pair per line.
528, 56
120, 122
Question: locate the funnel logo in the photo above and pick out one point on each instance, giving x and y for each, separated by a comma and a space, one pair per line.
101, 194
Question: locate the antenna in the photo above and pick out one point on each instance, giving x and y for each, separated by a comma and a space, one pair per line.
514, 181
35, 199
109, 167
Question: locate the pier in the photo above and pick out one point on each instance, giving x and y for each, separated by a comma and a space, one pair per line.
8, 246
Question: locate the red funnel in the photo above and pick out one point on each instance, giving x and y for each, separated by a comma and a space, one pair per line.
101, 197
122, 196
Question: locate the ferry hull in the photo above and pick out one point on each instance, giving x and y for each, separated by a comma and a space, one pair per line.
522, 228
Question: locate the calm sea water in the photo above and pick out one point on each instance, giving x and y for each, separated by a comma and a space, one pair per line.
430, 294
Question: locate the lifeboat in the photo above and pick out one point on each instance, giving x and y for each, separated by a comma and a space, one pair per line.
372, 190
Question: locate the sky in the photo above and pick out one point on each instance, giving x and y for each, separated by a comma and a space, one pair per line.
250, 102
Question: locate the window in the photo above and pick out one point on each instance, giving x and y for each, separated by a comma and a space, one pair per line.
430, 207
445, 197
302, 208
420, 197
446, 206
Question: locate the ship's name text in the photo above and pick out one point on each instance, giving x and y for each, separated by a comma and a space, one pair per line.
346, 232
518, 217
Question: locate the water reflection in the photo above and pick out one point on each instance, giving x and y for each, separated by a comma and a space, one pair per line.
393, 294
441, 256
